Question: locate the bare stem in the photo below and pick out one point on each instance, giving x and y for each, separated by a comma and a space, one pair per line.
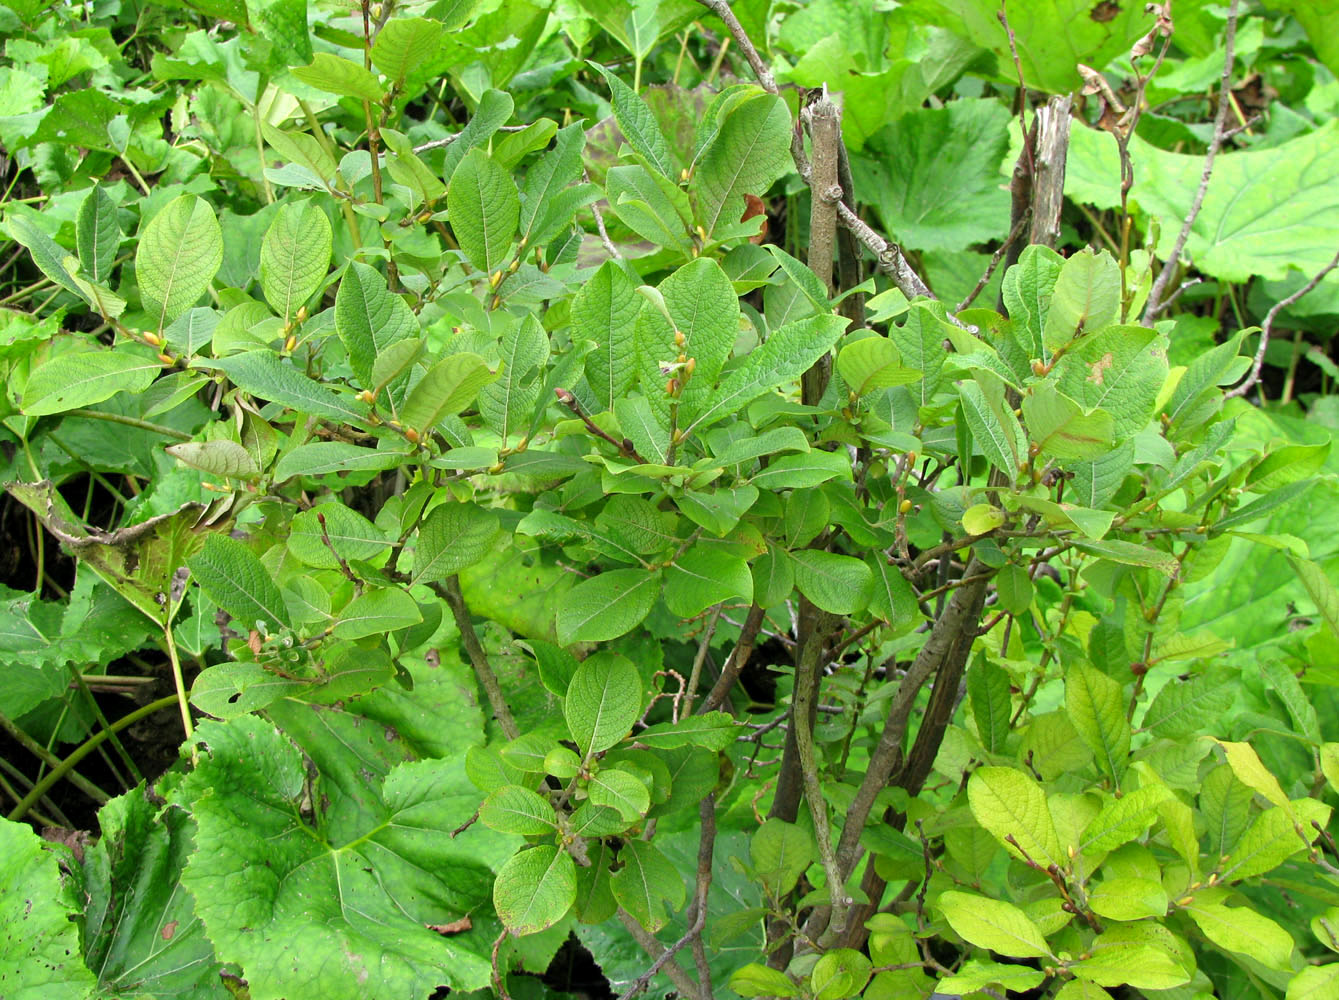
483, 670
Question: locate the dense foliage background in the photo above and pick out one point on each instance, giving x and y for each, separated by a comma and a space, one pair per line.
523, 497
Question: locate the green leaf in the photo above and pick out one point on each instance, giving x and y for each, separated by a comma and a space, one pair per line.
1314, 983
606, 606
350, 535
1010, 804
453, 537
535, 889
406, 46
787, 354
1183, 708
988, 690
1243, 230
283, 23
836, 583
704, 576
368, 318
1129, 553
407, 168
993, 924
75, 379
1283, 683
1241, 929
751, 149
140, 929
1269, 841
975, 975
376, 612
754, 980
934, 176
337, 903
804, 470
47, 254
637, 123
1322, 590
873, 363
303, 151
603, 701
1060, 428
604, 310
647, 884
508, 403
891, 598
1128, 898
1027, 289
1120, 370
1123, 820
1085, 299
621, 791
1142, 966
780, 852
218, 458
484, 209
337, 75
1096, 706
40, 947
495, 107
179, 252
714, 730
1287, 465
448, 387
97, 234
513, 809
294, 257
839, 973
993, 424
232, 575
265, 375
325, 458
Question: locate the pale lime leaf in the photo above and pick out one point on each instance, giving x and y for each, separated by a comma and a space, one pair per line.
1241, 929
839, 973
993, 924
1096, 706
834, 582
988, 691
1317, 982
1123, 820
1085, 299
982, 518
751, 149
621, 791
975, 975
1010, 804
873, 363
406, 45
1059, 427
756, 980
1128, 898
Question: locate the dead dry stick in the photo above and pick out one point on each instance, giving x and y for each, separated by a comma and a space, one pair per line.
1157, 294
1267, 327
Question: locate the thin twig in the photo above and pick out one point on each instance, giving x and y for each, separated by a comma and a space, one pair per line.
697, 910
703, 647
448, 139
483, 670
995, 259
1155, 303
739, 658
624, 447
1266, 328
664, 960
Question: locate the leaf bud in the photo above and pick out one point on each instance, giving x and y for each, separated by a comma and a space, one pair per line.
494, 279
152, 338
905, 507
514, 266
681, 359
291, 343
689, 367
423, 218
679, 338
683, 176
911, 458
367, 396
167, 359
1201, 529
302, 314
672, 387
1040, 367
411, 434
